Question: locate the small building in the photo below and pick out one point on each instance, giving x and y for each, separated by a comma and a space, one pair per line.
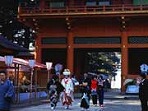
20, 72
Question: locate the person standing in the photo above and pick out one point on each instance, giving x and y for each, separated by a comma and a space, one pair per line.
69, 89
85, 85
101, 91
6, 92
94, 87
143, 92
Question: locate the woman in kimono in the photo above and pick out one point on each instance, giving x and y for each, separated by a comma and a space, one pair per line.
69, 88
55, 88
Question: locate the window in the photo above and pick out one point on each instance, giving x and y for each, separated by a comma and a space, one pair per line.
138, 40
91, 3
97, 40
54, 40
57, 4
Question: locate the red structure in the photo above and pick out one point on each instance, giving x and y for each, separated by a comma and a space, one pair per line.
67, 29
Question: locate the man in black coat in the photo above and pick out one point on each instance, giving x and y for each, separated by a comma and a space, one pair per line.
85, 90
143, 92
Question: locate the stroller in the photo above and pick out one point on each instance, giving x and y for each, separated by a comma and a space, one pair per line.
84, 101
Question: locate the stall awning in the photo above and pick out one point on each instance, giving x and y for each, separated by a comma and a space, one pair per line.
8, 44
23, 62
26, 63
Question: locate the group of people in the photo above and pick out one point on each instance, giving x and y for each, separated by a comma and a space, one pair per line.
91, 88
63, 90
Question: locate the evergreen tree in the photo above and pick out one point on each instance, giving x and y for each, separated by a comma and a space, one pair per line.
103, 62
11, 28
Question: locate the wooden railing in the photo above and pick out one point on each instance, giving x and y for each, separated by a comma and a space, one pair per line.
85, 9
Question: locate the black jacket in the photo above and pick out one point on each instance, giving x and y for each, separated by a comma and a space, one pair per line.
85, 89
59, 86
143, 89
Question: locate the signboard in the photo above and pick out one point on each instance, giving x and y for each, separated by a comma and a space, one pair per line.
133, 89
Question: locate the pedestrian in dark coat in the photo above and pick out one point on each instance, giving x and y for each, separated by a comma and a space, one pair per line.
85, 85
143, 92
6, 92
101, 91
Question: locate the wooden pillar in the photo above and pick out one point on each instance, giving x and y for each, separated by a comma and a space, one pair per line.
124, 59
17, 83
38, 48
36, 82
42, 4
70, 51
38, 54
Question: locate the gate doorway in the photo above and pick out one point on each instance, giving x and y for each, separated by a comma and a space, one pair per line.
106, 62
54, 55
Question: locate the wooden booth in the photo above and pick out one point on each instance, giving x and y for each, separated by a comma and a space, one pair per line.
19, 72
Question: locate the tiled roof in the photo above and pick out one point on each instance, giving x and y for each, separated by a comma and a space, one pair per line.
9, 45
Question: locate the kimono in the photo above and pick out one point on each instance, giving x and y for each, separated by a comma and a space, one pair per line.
69, 88
55, 88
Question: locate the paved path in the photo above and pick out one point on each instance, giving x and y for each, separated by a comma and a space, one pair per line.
110, 105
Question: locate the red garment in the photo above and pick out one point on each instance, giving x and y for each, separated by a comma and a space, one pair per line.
94, 84
67, 100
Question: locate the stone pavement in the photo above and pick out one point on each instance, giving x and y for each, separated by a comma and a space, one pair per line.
110, 105
116, 94
114, 101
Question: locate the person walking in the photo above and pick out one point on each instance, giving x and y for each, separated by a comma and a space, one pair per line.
85, 85
94, 87
101, 91
69, 89
55, 88
6, 92
143, 92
